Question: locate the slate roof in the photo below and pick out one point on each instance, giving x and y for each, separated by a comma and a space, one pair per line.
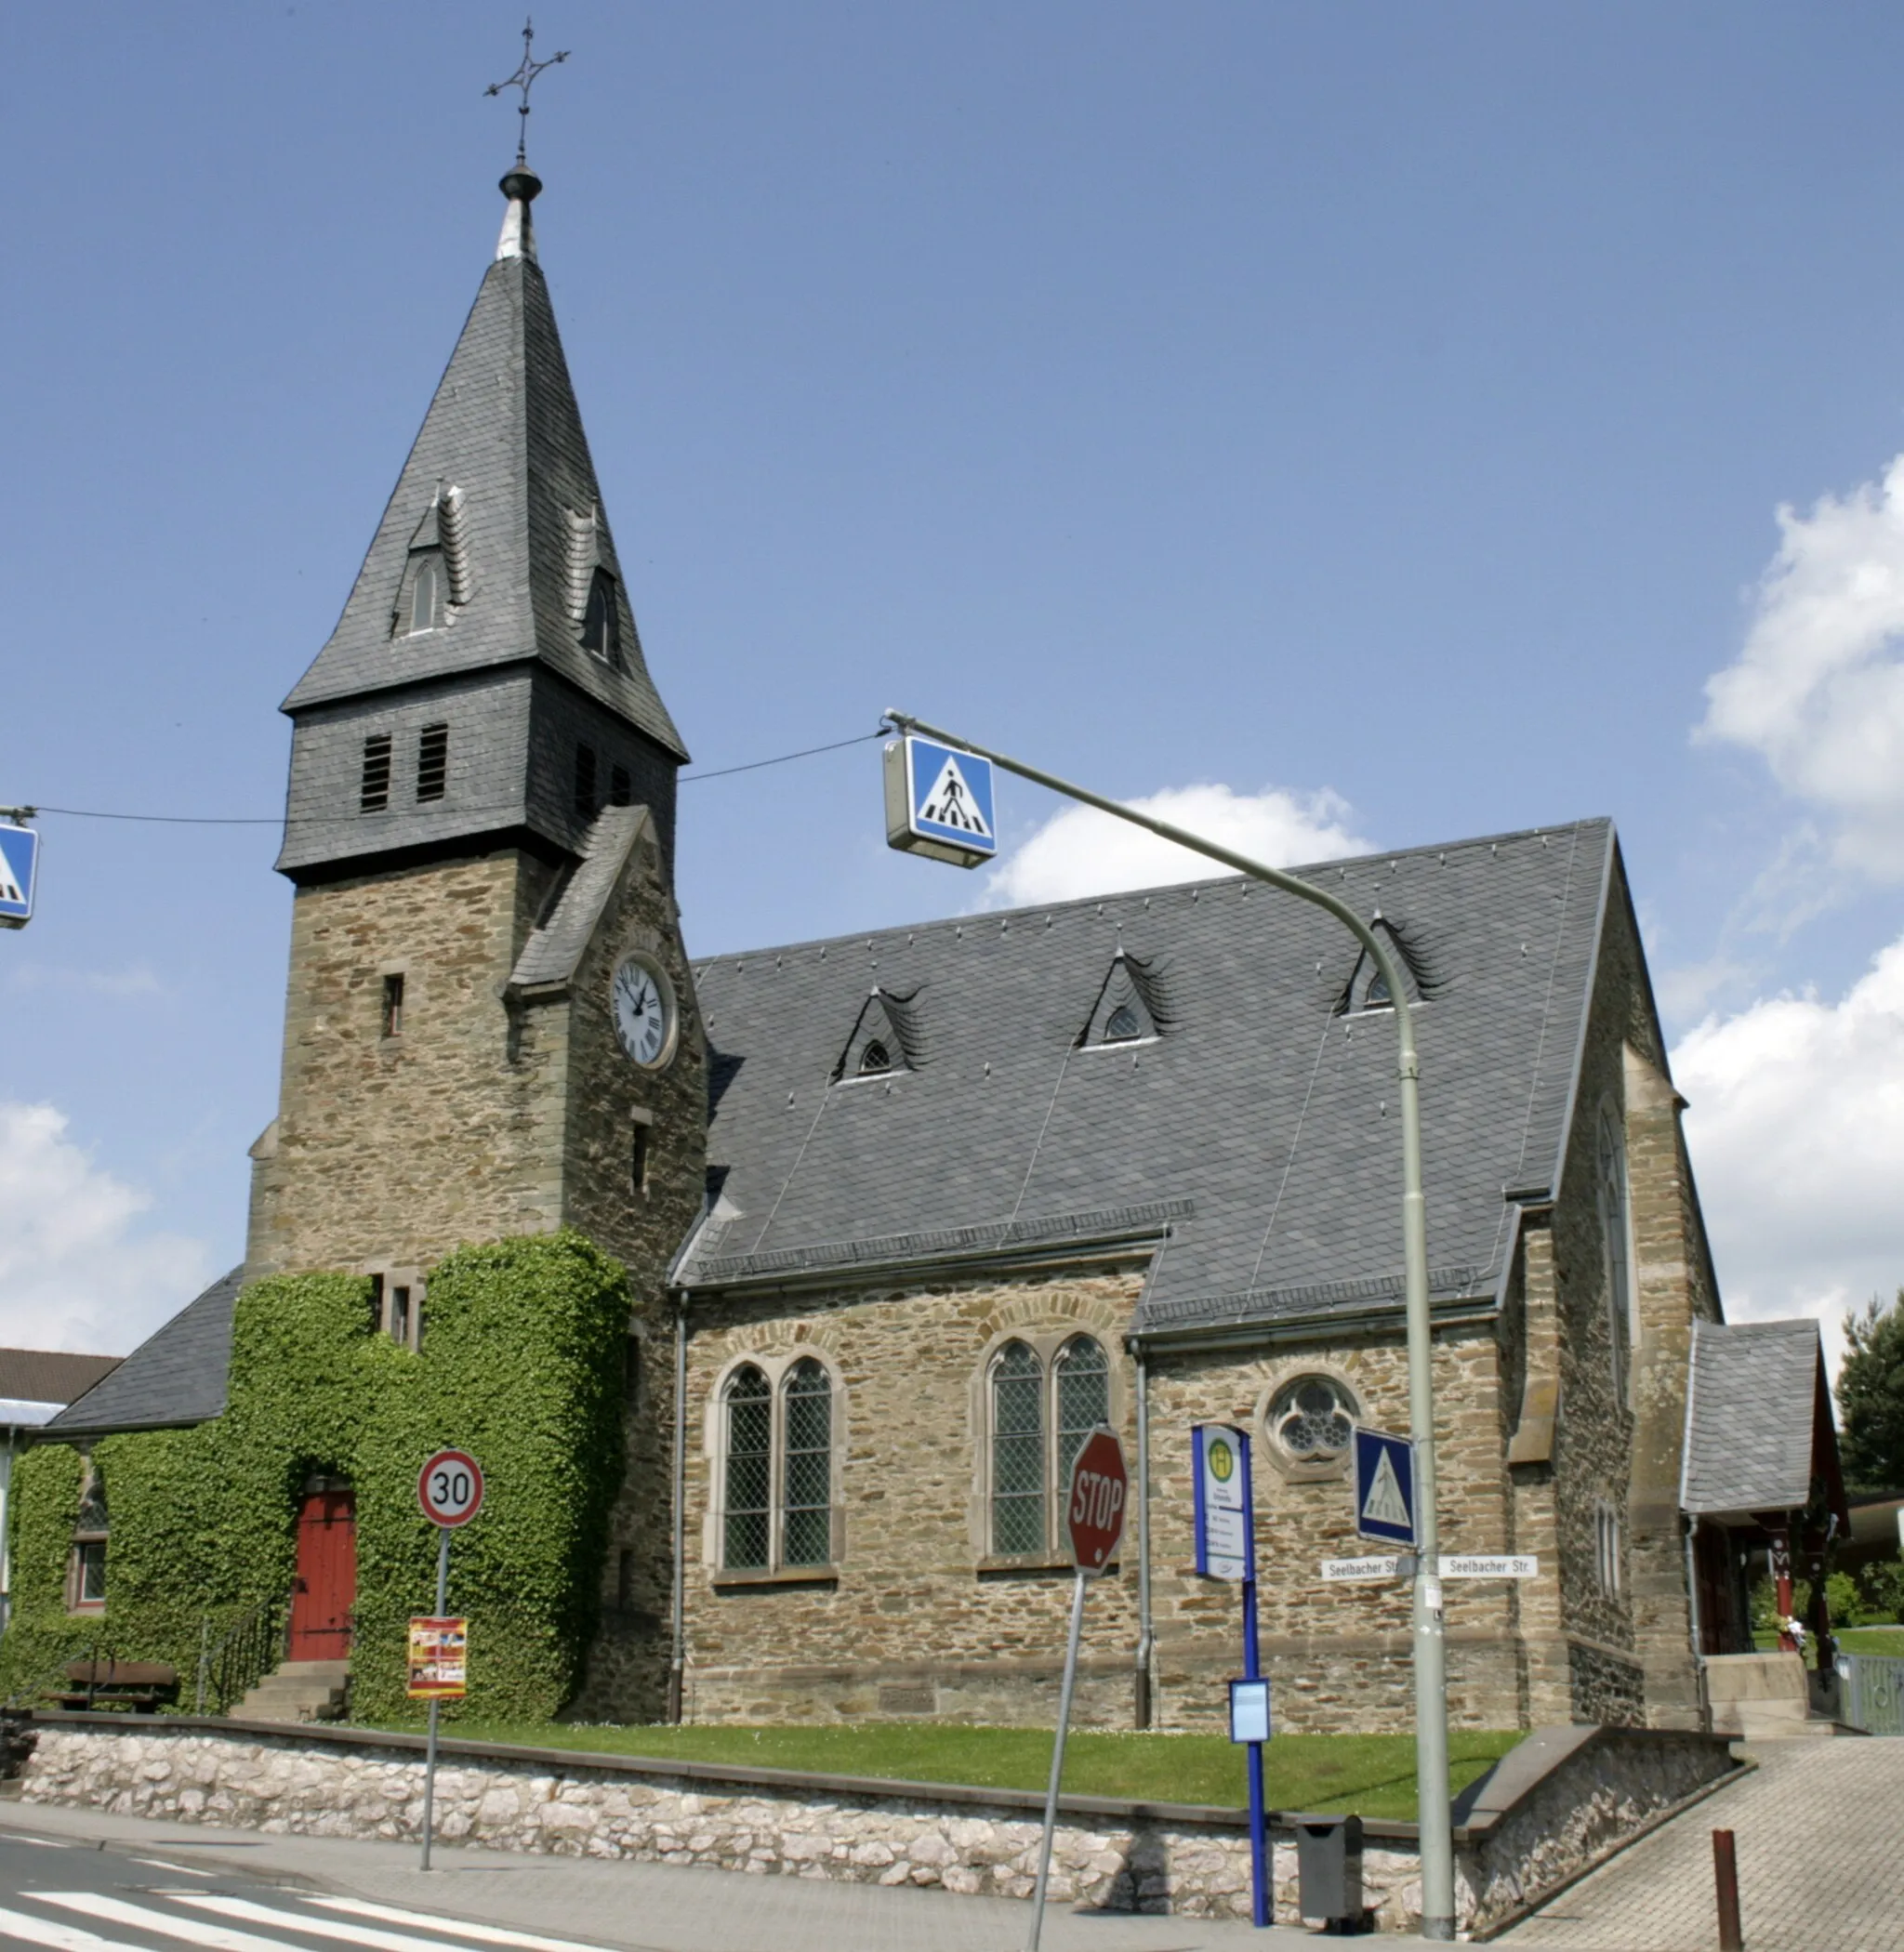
1751, 1411
504, 431
174, 1377
49, 1376
1263, 1122
553, 950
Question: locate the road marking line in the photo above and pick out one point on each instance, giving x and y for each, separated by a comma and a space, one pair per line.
368, 1934
184, 1870
141, 1917
46, 1844
63, 1938
489, 1934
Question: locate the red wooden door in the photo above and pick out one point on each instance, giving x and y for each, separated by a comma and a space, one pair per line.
325, 1588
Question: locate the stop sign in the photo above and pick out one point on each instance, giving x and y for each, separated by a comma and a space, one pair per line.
1094, 1511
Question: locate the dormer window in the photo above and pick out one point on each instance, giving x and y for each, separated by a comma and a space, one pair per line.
1122, 1026
874, 1060
1131, 1006
426, 591
601, 619
1376, 997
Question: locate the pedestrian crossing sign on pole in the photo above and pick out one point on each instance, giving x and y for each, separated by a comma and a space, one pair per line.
19, 853
939, 802
1384, 1487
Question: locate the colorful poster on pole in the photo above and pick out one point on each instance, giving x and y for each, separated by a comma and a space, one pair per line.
1225, 1527
439, 1658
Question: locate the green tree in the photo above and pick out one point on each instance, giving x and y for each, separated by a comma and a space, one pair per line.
1870, 1398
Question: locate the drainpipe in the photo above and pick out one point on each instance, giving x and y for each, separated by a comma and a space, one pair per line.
1694, 1626
678, 1657
1145, 1640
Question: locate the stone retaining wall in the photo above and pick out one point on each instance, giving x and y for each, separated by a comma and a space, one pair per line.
1183, 1859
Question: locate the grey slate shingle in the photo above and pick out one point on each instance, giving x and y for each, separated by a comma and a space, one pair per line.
1273, 1118
175, 1377
1750, 1417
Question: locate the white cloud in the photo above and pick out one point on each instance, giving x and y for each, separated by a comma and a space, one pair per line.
1817, 690
1796, 1130
74, 1273
1080, 851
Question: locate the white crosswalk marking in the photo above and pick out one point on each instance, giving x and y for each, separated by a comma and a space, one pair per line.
361, 1935
141, 1917
63, 1938
183, 1870
459, 1928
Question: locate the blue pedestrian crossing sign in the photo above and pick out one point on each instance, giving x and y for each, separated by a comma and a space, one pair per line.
1384, 1487
939, 802
20, 855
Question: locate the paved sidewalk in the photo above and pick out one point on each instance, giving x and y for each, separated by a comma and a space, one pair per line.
650, 1907
1821, 1838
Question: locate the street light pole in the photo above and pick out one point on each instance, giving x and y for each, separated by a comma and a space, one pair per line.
1430, 1636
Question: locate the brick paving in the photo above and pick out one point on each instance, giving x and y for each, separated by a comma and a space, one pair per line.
1821, 1835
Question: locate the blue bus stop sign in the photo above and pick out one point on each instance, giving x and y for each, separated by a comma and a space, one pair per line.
939, 802
20, 855
1384, 1487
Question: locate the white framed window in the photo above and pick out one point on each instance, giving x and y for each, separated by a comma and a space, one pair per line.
1039, 1411
776, 1462
1607, 1545
1614, 1201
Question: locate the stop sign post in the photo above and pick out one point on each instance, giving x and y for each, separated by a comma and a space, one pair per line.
449, 1488
1095, 1502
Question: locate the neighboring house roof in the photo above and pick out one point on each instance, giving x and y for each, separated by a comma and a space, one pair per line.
45, 1378
1754, 1402
505, 433
1260, 1125
175, 1377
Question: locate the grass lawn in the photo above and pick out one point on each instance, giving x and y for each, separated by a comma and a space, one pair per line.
1872, 1639
1373, 1775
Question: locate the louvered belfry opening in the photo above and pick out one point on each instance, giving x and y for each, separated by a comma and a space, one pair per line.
373, 789
432, 762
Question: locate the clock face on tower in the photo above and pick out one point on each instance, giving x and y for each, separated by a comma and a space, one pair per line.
644, 1012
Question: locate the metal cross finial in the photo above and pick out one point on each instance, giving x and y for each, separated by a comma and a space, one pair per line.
525, 78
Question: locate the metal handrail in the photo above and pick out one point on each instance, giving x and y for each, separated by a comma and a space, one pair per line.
243, 1656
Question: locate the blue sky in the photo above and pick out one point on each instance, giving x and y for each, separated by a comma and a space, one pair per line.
1377, 418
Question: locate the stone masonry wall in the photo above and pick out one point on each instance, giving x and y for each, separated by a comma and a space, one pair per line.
914, 1617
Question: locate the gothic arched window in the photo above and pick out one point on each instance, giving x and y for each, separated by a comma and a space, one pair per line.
806, 1466
748, 1447
601, 619
426, 594
1018, 1452
1084, 1387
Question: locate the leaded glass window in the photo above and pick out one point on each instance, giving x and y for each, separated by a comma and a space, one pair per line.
1312, 1420
808, 1537
749, 1460
1018, 1452
1084, 1398
1122, 1026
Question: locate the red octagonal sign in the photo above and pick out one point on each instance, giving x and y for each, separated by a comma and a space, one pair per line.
1094, 1512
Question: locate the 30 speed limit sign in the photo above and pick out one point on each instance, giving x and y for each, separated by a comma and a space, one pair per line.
450, 1488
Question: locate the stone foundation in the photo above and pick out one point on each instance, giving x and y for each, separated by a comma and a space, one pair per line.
1560, 1801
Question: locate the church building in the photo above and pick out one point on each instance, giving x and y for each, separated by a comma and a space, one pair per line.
887, 1224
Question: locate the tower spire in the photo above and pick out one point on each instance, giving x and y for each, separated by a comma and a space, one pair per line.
525, 79
522, 185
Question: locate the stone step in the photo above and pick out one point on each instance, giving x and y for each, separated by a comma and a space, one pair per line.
299, 1690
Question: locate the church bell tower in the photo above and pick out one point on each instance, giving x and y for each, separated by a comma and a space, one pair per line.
490, 1023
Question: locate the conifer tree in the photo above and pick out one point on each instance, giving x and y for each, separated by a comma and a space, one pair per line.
1870, 1398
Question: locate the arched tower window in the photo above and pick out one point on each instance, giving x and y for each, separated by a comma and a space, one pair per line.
1083, 1378
807, 1468
601, 619
426, 594
748, 1452
1018, 1452
1616, 1245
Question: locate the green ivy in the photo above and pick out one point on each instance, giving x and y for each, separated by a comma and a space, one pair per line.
522, 1365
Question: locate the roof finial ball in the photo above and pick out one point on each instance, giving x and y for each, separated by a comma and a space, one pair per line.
522, 185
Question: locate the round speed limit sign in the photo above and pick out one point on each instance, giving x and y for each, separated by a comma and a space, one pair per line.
450, 1488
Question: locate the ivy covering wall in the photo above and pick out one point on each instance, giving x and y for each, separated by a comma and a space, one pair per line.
522, 1365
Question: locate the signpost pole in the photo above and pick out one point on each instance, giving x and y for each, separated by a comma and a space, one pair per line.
1432, 1798
443, 1598
1044, 1849
1262, 1909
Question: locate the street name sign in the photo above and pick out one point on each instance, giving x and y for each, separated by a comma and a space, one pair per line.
450, 1488
939, 802
1454, 1565
1094, 1511
1384, 1487
19, 857
1220, 1472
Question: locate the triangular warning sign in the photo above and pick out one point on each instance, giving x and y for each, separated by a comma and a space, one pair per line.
1385, 1505
950, 803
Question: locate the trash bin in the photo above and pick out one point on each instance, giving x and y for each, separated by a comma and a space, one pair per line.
1329, 1861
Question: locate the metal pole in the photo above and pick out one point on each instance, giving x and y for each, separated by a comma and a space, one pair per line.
1044, 1852
1725, 1889
1145, 1642
1264, 1899
443, 1601
1433, 1799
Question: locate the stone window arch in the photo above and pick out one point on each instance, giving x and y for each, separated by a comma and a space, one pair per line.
1042, 1396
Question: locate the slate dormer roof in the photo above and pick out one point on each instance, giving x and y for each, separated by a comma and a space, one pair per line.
1258, 1125
500, 476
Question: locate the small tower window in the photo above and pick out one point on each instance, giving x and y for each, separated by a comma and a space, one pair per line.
393, 1006
585, 803
601, 619
433, 761
425, 595
1122, 1026
400, 1316
638, 1173
875, 1058
620, 790
374, 790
